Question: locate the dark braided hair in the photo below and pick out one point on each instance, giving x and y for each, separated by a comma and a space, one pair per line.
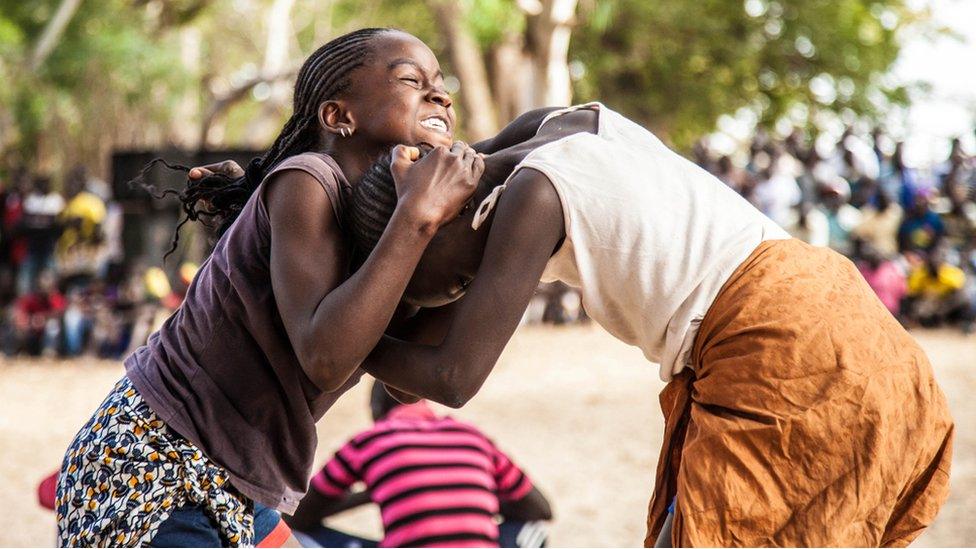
373, 201
218, 199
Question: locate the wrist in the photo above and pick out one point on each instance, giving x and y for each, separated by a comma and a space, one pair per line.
415, 221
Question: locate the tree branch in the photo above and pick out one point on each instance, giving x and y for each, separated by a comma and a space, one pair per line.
226, 100
52, 33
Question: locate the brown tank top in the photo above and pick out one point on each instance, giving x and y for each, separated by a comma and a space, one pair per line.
221, 370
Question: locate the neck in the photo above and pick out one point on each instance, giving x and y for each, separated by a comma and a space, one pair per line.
354, 157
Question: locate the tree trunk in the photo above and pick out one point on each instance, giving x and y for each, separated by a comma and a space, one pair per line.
466, 59
52, 33
274, 73
186, 116
263, 128
531, 70
547, 40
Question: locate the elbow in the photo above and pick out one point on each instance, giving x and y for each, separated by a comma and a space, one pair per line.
453, 394
455, 385
455, 400
452, 397
326, 372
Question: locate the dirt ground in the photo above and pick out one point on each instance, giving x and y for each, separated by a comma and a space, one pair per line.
577, 409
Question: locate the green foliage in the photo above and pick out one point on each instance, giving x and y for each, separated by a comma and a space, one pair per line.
112, 62
676, 65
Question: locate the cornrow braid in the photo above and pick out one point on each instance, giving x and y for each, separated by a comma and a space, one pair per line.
373, 201
218, 199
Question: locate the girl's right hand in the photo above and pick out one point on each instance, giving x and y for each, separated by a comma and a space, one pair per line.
229, 168
434, 189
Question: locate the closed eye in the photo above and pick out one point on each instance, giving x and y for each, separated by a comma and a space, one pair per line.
415, 82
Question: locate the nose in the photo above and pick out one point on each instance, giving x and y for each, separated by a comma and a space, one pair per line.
438, 95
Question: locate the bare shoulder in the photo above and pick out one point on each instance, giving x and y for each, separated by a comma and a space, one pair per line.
295, 197
531, 193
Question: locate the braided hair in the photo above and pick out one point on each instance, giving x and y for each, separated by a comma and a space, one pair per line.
218, 199
373, 201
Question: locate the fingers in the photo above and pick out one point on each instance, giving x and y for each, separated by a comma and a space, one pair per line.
405, 152
478, 166
199, 173
228, 168
468, 157
402, 158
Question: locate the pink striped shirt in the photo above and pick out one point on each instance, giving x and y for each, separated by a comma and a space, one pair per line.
437, 481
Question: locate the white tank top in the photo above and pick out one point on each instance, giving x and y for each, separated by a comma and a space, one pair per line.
651, 238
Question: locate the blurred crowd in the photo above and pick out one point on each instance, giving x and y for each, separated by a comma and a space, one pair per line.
911, 232
66, 288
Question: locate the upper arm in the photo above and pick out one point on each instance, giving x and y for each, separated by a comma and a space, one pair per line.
308, 256
527, 227
523, 128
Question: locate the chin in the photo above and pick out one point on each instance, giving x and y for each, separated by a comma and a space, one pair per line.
435, 138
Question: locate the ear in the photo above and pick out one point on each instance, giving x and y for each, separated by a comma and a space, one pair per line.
334, 117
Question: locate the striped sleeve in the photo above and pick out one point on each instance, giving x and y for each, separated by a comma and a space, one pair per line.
513, 484
338, 474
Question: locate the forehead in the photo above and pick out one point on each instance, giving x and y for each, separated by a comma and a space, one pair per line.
395, 46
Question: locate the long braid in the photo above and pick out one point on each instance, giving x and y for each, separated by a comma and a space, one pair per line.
218, 199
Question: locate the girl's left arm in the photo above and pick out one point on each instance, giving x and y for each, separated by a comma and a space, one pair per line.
527, 227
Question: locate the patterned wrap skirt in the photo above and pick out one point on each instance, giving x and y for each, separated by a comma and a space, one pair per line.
126, 472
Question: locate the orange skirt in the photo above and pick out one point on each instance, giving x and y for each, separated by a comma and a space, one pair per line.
812, 418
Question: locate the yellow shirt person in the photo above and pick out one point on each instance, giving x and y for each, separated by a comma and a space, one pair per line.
947, 280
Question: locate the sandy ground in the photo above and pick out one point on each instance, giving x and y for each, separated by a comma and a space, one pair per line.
577, 409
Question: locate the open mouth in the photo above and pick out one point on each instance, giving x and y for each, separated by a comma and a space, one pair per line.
436, 123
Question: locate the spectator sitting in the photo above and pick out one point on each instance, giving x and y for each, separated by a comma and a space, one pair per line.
37, 316
902, 182
879, 225
437, 481
41, 228
14, 246
81, 236
922, 227
885, 276
936, 291
777, 191
731, 175
77, 323
960, 217
842, 218
809, 224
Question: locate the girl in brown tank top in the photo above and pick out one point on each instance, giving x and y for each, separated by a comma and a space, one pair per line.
217, 412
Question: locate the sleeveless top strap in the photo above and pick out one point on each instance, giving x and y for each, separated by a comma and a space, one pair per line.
324, 169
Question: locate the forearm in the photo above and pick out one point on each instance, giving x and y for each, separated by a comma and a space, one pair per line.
523, 128
363, 304
444, 361
426, 371
315, 507
351, 501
